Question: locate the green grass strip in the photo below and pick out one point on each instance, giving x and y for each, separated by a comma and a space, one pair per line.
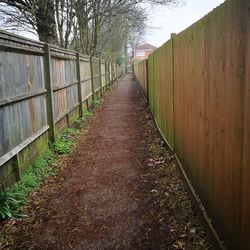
16, 196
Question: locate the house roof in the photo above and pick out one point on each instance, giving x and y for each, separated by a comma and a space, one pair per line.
145, 46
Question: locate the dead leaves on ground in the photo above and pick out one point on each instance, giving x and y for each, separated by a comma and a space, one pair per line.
175, 216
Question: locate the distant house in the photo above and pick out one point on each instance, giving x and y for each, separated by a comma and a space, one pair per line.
141, 52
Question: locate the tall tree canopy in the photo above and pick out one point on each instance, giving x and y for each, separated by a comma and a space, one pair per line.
94, 27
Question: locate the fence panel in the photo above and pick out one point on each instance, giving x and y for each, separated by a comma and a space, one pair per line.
245, 212
103, 72
22, 104
141, 75
85, 78
64, 85
199, 94
26, 94
39, 95
96, 74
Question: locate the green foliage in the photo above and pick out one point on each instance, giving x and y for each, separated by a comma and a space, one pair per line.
63, 144
87, 113
7, 205
14, 197
95, 103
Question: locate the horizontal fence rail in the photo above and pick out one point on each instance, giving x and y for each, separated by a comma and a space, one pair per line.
198, 88
43, 89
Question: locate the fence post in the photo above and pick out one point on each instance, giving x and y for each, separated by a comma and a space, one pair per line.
100, 71
106, 77
17, 167
92, 78
172, 45
79, 89
147, 82
49, 95
112, 70
109, 74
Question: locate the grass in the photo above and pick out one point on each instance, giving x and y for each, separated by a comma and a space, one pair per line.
63, 144
95, 103
14, 197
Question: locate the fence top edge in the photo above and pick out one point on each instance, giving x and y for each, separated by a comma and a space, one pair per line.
23, 42
19, 39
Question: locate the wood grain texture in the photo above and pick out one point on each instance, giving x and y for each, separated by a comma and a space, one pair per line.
204, 114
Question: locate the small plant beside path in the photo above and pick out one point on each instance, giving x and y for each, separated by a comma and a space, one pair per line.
14, 197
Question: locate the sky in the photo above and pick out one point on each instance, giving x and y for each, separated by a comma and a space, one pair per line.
165, 20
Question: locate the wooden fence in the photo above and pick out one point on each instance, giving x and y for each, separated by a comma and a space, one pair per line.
199, 93
43, 89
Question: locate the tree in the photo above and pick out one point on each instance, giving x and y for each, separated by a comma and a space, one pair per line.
94, 27
37, 15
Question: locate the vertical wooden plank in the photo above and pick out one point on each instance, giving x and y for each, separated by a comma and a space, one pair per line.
49, 95
173, 84
100, 74
113, 73
146, 91
17, 167
79, 89
109, 76
245, 194
106, 75
92, 78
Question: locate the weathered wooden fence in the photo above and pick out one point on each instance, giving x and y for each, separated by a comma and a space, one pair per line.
199, 94
43, 89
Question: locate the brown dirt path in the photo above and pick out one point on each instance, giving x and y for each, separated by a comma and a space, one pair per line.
120, 188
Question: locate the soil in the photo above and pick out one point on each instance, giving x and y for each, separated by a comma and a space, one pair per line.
118, 189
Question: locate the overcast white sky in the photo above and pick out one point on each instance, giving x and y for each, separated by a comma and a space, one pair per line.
165, 20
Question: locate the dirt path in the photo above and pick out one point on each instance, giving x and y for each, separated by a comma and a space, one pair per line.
119, 190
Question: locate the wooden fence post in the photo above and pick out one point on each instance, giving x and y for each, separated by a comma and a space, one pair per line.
147, 82
49, 95
100, 71
109, 78
112, 70
106, 77
17, 167
172, 44
92, 78
79, 89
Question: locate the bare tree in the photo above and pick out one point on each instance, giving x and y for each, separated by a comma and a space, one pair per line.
94, 27
38, 15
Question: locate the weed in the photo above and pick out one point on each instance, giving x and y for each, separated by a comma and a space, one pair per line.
87, 113
7, 205
14, 197
63, 144
79, 122
95, 103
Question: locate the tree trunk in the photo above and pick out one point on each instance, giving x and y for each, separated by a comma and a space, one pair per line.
46, 24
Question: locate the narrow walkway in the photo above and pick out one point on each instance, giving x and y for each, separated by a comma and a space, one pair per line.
119, 190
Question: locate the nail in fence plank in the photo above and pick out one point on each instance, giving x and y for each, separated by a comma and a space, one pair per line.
49, 95
79, 89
